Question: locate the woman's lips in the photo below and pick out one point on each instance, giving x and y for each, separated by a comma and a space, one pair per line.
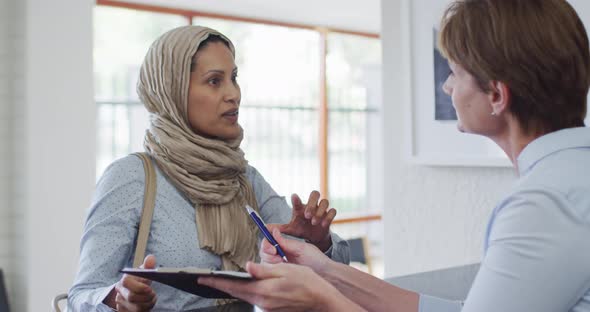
231, 116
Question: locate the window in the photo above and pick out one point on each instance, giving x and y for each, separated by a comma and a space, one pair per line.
121, 39
279, 110
353, 66
310, 102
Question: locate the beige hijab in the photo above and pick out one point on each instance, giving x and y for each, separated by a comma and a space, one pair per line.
210, 172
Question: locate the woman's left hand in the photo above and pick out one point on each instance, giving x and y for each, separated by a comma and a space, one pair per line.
310, 221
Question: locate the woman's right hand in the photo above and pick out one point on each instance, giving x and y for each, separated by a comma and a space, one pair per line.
296, 251
284, 287
133, 293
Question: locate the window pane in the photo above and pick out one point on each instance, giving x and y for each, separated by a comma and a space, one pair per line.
353, 69
279, 77
121, 40
353, 72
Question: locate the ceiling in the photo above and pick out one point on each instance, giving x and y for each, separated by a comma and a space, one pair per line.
354, 15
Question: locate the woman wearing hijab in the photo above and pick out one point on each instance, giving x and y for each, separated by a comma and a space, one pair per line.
520, 73
188, 83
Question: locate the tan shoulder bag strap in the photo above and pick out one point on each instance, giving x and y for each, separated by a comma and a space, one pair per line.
149, 201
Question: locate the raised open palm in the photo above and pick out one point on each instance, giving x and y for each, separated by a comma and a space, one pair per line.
311, 221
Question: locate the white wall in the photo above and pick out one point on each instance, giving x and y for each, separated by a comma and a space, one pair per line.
350, 14
47, 127
434, 217
60, 141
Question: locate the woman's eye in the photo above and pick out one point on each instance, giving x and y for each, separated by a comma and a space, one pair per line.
234, 77
213, 81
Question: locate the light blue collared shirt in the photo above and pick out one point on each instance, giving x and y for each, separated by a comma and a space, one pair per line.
537, 246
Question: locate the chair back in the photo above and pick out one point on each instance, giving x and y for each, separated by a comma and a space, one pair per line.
359, 252
56, 300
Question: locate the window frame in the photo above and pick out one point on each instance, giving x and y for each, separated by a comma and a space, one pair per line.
323, 110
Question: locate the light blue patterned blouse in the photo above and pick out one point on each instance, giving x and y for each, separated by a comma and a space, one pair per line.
537, 247
108, 241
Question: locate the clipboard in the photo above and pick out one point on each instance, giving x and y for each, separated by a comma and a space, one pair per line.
186, 279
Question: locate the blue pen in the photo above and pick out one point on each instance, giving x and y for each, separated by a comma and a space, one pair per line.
265, 231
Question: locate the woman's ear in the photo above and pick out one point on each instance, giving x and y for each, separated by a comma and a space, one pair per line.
500, 97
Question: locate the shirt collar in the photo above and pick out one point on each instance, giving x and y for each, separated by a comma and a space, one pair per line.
550, 143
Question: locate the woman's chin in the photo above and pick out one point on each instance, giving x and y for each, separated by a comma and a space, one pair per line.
460, 127
226, 134
230, 134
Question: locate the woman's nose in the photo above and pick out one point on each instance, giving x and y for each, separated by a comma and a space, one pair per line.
446, 87
233, 94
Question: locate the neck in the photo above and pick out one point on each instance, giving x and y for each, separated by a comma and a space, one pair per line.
513, 140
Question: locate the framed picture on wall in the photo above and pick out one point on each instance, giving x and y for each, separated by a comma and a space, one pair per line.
434, 138
432, 127
443, 106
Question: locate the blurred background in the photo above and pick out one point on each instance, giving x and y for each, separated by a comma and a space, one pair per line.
328, 104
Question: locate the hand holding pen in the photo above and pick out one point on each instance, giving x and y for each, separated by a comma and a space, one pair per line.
299, 252
256, 218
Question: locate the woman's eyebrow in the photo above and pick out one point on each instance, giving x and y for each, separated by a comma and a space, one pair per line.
216, 71
219, 71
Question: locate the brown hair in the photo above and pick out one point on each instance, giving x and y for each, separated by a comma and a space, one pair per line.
538, 48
